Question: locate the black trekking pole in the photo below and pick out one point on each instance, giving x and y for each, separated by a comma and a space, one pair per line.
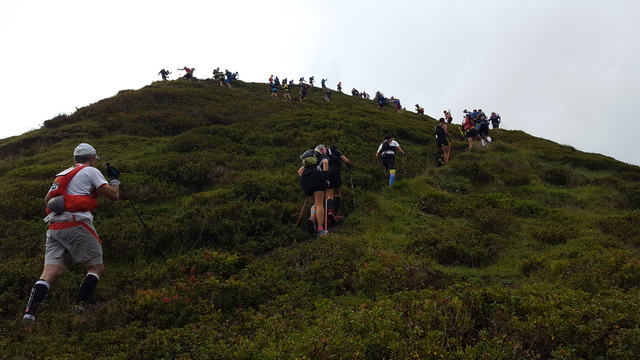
353, 192
138, 214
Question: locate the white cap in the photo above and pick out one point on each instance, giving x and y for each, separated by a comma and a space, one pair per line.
85, 149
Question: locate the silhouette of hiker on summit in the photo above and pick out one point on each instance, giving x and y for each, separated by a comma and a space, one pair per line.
419, 109
340, 86
495, 120
382, 101
189, 72
164, 73
447, 116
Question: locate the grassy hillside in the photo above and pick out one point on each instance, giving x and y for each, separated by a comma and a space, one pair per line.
525, 250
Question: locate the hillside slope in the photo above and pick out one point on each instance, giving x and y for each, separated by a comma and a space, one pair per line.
528, 249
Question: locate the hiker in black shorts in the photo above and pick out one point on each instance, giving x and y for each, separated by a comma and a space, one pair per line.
313, 180
334, 194
470, 132
443, 141
448, 117
387, 154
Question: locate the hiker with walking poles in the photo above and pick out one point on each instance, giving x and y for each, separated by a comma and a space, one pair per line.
314, 180
387, 155
71, 234
334, 193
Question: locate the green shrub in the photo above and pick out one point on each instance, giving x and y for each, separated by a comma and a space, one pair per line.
455, 243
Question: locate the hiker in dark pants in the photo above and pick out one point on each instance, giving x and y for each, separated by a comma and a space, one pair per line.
495, 120
164, 73
303, 92
71, 233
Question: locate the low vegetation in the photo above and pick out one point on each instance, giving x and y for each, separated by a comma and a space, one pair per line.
526, 250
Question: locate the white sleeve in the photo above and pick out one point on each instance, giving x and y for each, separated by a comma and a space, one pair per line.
85, 181
379, 148
96, 177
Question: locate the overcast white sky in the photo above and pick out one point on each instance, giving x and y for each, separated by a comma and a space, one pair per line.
564, 70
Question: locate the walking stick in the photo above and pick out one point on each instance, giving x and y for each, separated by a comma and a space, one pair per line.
302, 210
139, 217
326, 215
353, 192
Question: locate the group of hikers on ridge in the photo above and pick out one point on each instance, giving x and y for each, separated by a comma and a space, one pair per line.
382, 101
224, 77
274, 82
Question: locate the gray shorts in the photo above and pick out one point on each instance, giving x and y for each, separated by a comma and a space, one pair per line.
73, 240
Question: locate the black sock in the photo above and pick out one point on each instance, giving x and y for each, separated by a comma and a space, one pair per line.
86, 288
38, 291
329, 204
336, 203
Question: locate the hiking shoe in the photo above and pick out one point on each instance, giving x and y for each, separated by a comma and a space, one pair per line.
338, 218
77, 309
312, 226
331, 218
323, 232
28, 319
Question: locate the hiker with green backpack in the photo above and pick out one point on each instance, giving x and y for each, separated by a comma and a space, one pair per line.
387, 154
314, 180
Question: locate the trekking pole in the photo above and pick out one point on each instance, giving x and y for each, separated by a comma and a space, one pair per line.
353, 192
326, 213
139, 217
138, 214
301, 210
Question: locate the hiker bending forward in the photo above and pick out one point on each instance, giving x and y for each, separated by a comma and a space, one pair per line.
387, 154
314, 180
71, 234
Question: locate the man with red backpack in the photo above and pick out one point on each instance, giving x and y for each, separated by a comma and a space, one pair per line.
71, 233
